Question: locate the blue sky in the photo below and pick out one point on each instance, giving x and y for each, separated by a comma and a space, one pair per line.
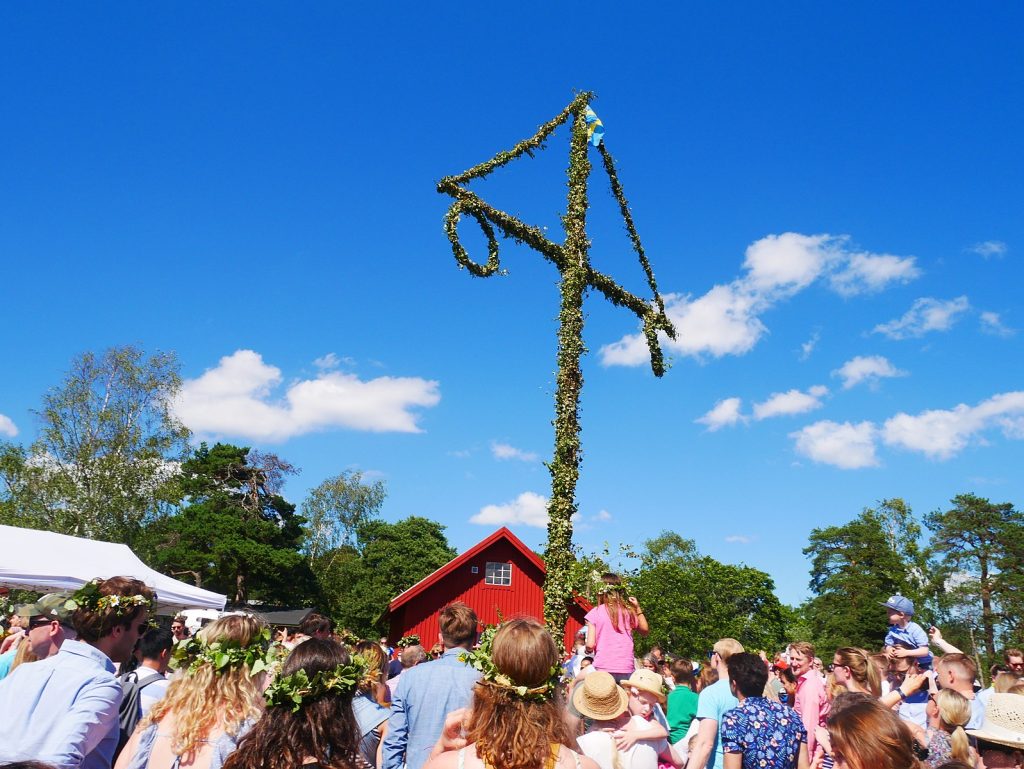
831, 196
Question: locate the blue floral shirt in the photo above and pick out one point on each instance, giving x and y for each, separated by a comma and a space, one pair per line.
767, 733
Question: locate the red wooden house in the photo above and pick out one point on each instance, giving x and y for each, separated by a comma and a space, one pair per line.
498, 576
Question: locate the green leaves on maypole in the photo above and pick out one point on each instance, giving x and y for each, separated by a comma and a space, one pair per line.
577, 276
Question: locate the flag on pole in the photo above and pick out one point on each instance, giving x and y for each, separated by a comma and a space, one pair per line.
595, 128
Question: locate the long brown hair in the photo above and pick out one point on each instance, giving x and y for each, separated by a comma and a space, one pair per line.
867, 735
613, 598
510, 732
862, 670
324, 728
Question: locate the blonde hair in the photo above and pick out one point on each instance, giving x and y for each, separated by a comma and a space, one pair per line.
726, 647
955, 712
864, 673
207, 700
377, 665
23, 655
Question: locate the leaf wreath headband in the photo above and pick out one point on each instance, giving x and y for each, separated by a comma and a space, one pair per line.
88, 597
298, 688
194, 652
480, 659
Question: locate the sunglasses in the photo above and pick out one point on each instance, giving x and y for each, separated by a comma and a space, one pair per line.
41, 622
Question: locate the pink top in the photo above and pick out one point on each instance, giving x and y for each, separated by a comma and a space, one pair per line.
811, 704
613, 649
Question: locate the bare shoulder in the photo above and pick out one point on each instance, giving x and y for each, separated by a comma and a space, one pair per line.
447, 760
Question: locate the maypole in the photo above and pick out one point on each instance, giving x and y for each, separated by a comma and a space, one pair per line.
572, 260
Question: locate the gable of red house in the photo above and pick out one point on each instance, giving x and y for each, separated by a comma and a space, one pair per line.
499, 577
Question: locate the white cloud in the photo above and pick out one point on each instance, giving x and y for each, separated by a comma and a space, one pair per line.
992, 323
528, 509
235, 399
726, 412
603, 515
989, 248
808, 347
791, 402
505, 451
926, 314
870, 273
942, 433
848, 446
7, 426
726, 320
738, 539
866, 368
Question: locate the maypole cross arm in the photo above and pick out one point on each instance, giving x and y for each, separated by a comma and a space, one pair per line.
572, 259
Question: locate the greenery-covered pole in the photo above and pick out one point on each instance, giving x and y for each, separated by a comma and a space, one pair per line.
577, 276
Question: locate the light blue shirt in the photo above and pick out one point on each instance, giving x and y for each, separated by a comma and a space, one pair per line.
6, 660
425, 695
713, 703
62, 710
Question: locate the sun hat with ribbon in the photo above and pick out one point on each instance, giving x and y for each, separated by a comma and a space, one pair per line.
1004, 721
600, 698
646, 681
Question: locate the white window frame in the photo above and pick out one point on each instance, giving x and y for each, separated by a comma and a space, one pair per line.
498, 574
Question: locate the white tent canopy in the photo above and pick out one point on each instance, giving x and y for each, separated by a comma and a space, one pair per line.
47, 562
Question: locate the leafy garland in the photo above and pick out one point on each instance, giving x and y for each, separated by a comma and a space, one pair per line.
292, 691
481, 659
571, 257
88, 597
408, 640
260, 655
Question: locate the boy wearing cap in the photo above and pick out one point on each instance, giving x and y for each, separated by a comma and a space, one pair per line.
912, 635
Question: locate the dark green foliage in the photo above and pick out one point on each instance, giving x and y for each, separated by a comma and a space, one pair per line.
692, 600
857, 565
976, 549
236, 534
359, 584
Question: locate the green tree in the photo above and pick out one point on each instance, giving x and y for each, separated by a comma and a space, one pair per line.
976, 548
236, 533
392, 557
108, 443
857, 565
692, 600
335, 510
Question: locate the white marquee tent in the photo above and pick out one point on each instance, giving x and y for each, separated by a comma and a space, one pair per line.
46, 562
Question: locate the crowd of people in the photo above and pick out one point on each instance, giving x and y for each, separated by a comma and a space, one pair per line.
87, 681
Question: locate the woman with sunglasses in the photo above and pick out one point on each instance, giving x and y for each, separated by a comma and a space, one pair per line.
853, 671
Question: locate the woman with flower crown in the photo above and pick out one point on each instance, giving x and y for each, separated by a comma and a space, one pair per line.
610, 627
518, 718
309, 723
215, 698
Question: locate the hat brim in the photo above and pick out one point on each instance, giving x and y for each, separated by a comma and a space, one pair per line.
581, 704
627, 684
999, 735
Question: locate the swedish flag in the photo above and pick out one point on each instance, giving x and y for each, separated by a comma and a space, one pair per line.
595, 128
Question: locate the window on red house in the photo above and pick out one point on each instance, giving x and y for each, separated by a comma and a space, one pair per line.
498, 574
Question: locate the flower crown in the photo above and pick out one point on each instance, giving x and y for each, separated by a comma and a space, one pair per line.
194, 652
480, 659
88, 597
408, 640
292, 691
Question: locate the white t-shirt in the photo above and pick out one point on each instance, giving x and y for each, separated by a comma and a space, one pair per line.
600, 746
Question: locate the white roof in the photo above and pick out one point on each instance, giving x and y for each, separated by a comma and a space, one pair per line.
46, 562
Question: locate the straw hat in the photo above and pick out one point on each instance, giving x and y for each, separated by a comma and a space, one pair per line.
600, 698
1004, 721
646, 681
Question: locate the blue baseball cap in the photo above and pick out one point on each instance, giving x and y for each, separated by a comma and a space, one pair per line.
899, 603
